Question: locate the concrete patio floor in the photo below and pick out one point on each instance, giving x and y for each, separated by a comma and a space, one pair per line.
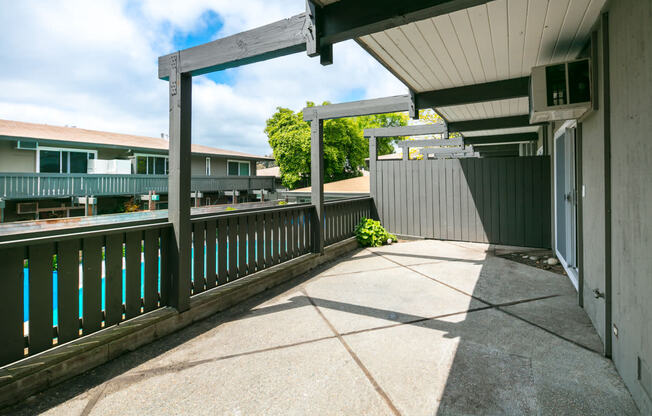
417, 328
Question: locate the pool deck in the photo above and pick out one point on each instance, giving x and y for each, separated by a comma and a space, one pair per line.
416, 328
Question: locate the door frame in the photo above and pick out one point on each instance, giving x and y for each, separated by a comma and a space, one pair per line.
572, 272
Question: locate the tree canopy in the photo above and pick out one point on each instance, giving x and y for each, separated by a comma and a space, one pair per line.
345, 148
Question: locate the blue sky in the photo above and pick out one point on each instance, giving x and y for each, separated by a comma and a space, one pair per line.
92, 64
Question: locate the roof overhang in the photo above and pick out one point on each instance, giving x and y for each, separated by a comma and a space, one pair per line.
474, 63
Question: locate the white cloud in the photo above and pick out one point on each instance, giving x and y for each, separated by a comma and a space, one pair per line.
93, 65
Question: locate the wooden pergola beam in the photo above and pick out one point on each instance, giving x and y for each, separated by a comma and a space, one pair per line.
313, 31
490, 123
417, 130
499, 148
276, 39
458, 141
384, 105
502, 138
469, 94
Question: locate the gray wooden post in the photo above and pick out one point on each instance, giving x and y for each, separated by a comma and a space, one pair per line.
373, 171
317, 182
179, 185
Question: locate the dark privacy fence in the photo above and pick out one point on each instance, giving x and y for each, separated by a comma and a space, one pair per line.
490, 200
56, 287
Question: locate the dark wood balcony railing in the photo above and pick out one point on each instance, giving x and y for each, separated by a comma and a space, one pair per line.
54, 185
57, 286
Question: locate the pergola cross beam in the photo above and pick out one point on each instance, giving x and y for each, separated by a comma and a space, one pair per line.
415, 130
314, 31
502, 138
397, 103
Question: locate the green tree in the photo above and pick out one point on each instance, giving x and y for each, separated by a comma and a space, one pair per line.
345, 148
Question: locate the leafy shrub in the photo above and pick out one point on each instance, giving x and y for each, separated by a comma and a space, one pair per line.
130, 206
370, 233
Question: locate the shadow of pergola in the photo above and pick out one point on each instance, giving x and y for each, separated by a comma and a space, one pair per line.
466, 365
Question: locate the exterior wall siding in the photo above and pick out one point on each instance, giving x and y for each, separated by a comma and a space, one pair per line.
16, 160
593, 215
630, 32
218, 165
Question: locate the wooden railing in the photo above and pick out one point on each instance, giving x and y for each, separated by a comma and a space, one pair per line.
54, 185
341, 217
57, 286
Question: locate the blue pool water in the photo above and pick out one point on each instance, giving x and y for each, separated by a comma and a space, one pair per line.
124, 278
55, 291
55, 315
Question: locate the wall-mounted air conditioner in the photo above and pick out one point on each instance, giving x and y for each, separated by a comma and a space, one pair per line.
26, 207
26, 145
109, 167
560, 91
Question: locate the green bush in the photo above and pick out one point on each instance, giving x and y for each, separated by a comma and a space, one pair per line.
370, 233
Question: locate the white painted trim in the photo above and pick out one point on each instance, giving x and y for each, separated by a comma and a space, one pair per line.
135, 162
570, 271
239, 162
151, 154
59, 149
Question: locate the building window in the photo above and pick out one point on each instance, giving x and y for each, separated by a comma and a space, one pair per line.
151, 165
237, 168
208, 166
63, 161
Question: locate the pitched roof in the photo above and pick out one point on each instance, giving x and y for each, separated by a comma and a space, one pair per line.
102, 138
358, 185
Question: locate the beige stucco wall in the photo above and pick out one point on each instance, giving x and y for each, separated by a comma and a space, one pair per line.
16, 160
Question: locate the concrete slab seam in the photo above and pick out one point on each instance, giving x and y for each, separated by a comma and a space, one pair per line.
355, 358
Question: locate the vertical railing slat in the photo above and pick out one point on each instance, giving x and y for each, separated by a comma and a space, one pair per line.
40, 297
251, 243
68, 290
283, 236
210, 254
233, 248
151, 270
269, 250
300, 230
92, 285
295, 232
113, 280
242, 246
165, 264
277, 237
11, 308
133, 247
260, 241
221, 251
198, 256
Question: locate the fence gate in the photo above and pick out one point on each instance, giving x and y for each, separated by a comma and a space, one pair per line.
491, 200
